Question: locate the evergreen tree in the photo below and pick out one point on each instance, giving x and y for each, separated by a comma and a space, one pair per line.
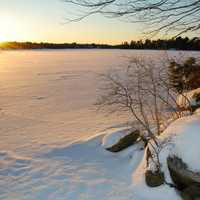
186, 76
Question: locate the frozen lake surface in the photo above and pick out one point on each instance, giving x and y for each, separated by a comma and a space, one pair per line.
47, 104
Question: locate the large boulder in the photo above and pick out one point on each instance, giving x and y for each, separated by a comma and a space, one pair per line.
181, 175
186, 180
118, 141
191, 193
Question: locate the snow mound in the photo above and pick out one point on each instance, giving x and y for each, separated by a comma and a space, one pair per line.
143, 192
181, 139
112, 138
184, 140
191, 98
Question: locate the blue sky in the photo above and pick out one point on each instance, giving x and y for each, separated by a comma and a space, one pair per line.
43, 20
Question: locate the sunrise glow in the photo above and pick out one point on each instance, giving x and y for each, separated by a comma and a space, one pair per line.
22, 21
8, 28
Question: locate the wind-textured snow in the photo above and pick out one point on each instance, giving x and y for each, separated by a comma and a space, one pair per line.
81, 170
46, 118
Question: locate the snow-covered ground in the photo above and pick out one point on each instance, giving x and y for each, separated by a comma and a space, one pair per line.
46, 118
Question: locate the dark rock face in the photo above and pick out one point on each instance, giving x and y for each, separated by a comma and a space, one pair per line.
191, 192
125, 142
187, 181
154, 179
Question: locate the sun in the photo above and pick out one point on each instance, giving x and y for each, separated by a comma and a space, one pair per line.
8, 28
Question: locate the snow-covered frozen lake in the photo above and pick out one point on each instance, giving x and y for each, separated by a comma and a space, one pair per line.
47, 104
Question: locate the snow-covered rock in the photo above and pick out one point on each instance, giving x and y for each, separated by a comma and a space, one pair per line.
119, 140
180, 172
181, 147
189, 99
180, 140
184, 140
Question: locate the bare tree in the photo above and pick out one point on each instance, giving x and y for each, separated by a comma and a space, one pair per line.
142, 90
177, 16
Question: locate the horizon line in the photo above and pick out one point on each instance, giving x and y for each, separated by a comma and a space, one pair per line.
90, 43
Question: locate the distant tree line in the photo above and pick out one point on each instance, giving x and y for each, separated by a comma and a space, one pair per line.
178, 43
42, 45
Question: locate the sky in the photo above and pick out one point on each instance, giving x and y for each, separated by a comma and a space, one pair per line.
45, 21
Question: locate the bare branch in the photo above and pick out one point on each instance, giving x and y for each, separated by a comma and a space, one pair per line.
178, 16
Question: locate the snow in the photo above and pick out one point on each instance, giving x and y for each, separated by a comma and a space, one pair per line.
188, 98
143, 192
113, 137
83, 170
181, 138
184, 140
51, 134
197, 111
